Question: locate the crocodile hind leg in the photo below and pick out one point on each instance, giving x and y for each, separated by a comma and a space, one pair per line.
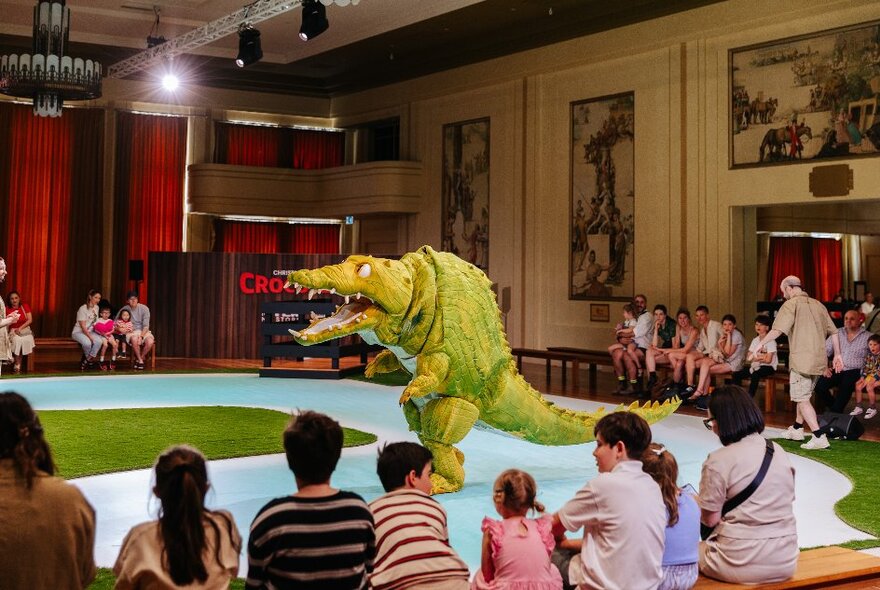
444, 422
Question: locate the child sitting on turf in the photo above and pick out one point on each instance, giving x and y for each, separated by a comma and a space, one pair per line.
189, 544
412, 539
516, 550
680, 555
318, 537
104, 329
122, 331
870, 377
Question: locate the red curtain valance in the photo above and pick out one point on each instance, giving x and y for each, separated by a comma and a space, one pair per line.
275, 238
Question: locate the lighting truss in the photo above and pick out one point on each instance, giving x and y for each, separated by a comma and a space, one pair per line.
254, 13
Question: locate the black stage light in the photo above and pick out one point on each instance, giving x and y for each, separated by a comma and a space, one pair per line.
249, 50
314, 20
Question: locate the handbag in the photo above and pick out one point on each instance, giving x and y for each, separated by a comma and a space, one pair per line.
744, 495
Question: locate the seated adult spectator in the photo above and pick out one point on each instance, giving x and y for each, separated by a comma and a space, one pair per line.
665, 337
189, 544
853, 348
86, 316
412, 538
761, 361
621, 511
867, 305
710, 332
726, 358
690, 339
47, 535
624, 365
319, 537
754, 542
20, 334
140, 339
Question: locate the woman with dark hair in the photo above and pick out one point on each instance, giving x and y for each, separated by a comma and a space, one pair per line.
189, 545
754, 542
47, 539
83, 332
21, 337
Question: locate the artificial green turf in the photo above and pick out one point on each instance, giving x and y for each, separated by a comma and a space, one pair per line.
858, 460
105, 581
88, 442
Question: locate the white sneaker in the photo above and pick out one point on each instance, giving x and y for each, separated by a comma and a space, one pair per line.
870, 413
817, 442
856, 411
793, 433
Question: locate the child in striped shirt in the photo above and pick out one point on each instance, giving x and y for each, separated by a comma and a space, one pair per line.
869, 380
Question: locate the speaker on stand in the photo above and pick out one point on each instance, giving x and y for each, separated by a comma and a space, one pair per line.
136, 273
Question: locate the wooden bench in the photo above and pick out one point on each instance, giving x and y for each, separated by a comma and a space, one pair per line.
827, 567
66, 347
592, 358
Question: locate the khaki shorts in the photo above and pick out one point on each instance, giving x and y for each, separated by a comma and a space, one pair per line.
801, 386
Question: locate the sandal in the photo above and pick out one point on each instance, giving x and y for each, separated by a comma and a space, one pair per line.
16, 369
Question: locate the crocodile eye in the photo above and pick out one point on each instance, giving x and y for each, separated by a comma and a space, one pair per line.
364, 271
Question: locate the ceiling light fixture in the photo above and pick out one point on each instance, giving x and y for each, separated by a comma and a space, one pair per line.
47, 76
170, 82
249, 47
314, 20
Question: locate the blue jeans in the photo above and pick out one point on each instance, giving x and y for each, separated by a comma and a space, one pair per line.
90, 348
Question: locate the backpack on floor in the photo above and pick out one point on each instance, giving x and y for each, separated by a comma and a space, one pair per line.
841, 426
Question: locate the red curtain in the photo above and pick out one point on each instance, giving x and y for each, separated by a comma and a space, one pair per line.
273, 238
312, 238
318, 149
50, 210
250, 145
827, 268
148, 207
246, 236
816, 261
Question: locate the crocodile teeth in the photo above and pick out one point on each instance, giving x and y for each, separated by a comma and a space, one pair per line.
346, 299
357, 320
333, 291
296, 286
286, 284
358, 296
312, 293
296, 334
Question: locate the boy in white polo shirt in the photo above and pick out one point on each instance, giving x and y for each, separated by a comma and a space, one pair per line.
621, 511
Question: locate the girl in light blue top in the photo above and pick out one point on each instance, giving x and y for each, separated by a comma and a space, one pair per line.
680, 554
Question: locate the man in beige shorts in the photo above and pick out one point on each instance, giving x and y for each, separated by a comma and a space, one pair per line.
807, 324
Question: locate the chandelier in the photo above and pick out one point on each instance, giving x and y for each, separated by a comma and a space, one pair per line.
47, 75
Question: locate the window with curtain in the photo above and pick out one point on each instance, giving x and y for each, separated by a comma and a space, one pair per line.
273, 238
148, 200
817, 262
279, 147
50, 210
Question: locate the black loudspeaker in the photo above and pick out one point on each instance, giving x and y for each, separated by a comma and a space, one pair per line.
841, 426
135, 270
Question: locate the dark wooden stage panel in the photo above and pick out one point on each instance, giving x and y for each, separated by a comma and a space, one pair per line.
207, 304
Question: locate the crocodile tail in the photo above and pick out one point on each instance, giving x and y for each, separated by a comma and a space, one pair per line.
523, 412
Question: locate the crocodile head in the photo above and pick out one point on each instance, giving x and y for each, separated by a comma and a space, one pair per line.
377, 295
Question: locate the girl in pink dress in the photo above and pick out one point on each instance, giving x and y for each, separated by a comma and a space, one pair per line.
516, 550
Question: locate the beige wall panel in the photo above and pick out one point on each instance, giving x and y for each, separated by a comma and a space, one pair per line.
565, 322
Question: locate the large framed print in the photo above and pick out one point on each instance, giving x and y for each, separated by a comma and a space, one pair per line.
465, 206
602, 209
811, 97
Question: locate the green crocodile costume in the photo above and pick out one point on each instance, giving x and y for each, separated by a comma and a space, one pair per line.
437, 317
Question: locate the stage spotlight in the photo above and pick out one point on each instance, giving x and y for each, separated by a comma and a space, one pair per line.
170, 82
249, 49
314, 22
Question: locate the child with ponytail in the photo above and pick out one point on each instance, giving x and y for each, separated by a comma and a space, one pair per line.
189, 545
680, 569
516, 550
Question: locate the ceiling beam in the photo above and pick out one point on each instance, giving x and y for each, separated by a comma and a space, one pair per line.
254, 13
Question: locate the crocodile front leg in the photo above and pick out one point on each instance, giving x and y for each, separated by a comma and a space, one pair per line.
431, 371
443, 422
384, 362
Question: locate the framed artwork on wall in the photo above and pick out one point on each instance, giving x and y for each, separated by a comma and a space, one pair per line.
811, 97
602, 197
465, 187
600, 312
